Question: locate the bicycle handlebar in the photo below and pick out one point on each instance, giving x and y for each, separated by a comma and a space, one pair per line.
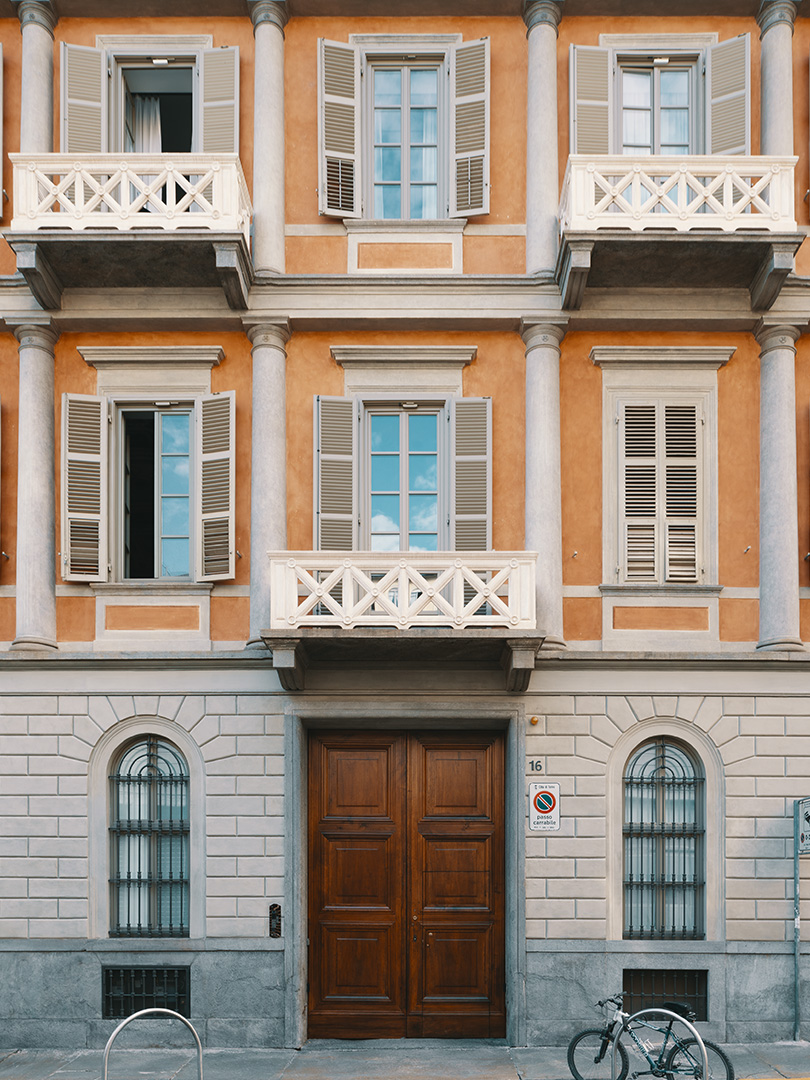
616, 999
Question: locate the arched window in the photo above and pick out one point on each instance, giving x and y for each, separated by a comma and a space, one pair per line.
149, 834
664, 855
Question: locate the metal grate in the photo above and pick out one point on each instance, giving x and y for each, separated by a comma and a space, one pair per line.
128, 990
663, 843
648, 989
149, 833
274, 919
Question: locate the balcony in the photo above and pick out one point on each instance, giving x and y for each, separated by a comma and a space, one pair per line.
677, 222
126, 220
474, 608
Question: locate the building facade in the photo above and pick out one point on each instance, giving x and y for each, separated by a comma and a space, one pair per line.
405, 440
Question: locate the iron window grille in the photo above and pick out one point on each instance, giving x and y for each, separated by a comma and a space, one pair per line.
128, 990
149, 833
663, 843
647, 989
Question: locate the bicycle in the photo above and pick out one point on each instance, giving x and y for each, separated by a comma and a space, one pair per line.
665, 1053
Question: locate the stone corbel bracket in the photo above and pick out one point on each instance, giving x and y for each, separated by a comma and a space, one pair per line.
518, 660
771, 275
289, 662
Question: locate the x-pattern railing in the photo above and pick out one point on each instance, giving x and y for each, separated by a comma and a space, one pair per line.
129, 191
731, 193
402, 589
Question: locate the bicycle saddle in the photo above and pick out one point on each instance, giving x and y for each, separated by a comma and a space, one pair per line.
679, 1008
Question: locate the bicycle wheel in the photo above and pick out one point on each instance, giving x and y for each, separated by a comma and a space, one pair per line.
590, 1055
685, 1059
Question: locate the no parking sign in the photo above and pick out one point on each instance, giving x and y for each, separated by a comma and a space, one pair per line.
544, 807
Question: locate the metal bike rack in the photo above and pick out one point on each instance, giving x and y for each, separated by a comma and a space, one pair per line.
151, 1012
658, 1012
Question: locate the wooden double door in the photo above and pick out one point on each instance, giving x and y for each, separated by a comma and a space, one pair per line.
406, 885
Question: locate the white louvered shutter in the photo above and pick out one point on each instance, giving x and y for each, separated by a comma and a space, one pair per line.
335, 473
638, 491
84, 99
471, 474
682, 448
84, 488
218, 109
469, 129
339, 193
591, 95
728, 96
216, 541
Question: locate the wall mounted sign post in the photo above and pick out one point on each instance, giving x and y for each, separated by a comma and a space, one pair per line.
544, 807
801, 846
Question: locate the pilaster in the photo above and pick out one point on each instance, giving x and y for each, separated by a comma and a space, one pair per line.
269, 19
38, 21
776, 19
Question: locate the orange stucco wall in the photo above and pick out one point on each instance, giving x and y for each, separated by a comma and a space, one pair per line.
739, 619
152, 617
498, 372
11, 39
660, 618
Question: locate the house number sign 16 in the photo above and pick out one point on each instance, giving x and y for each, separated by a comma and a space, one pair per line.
534, 765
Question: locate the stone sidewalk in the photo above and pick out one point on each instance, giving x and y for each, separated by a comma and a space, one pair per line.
366, 1060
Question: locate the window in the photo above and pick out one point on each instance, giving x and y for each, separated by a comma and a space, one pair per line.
671, 94
648, 988
151, 94
149, 838
403, 128
128, 990
148, 488
660, 464
663, 843
403, 475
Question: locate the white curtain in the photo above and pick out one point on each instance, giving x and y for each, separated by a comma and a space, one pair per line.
147, 134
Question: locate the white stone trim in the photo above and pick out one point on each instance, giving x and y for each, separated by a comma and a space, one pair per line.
448, 231
98, 818
150, 372
154, 44
660, 358
161, 594
660, 640
714, 799
397, 44
388, 369
657, 43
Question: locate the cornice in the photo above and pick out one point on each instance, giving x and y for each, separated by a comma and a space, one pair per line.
269, 11
542, 13
346, 355
40, 12
774, 13
99, 356
715, 356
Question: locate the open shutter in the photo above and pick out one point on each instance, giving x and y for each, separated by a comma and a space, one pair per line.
335, 434
218, 109
469, 129
638, 485
84, 488
216, 546
339, 192
591, 95
471, 474
728, 96
84, 99
681, 490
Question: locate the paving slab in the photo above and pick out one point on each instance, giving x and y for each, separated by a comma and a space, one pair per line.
541, 1063
402, 1060
769, 1061
238, 1065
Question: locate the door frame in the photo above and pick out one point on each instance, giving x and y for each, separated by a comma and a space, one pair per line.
403, 715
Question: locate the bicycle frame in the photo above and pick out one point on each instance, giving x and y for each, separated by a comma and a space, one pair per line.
672, 1018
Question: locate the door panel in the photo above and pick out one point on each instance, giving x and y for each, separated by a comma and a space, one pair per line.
396, 951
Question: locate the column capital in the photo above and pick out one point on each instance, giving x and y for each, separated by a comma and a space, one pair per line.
269, 11
36, 336
538, 334
276, 333
775, 12
776, 336
41, 12
542, 12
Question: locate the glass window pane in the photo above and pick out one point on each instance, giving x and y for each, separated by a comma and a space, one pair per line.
387, 201
424, 127
174, 558
385, 432
423, 542
385, 514
424, 163
385, 542
174, 516
174, 475
424, 202
175, 433
424, 87
422, 472
387, 87
385, 472
637, 89
423, 431
675, 127
387, 126
636, 128
387, 163
423, 513
674, 89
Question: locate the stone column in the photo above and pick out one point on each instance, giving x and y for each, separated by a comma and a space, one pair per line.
38, 21
269, 19
776, 18
778, 497
268, 462
543, 481
36, 492
542, 18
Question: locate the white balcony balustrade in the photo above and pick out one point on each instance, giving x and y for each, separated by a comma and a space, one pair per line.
125, 192
402, 589
731, 194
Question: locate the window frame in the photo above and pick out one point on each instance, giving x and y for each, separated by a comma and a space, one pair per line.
694, 62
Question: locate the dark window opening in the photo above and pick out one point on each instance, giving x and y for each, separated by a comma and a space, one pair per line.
175, 123
139, 494
652, 989
128, 990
